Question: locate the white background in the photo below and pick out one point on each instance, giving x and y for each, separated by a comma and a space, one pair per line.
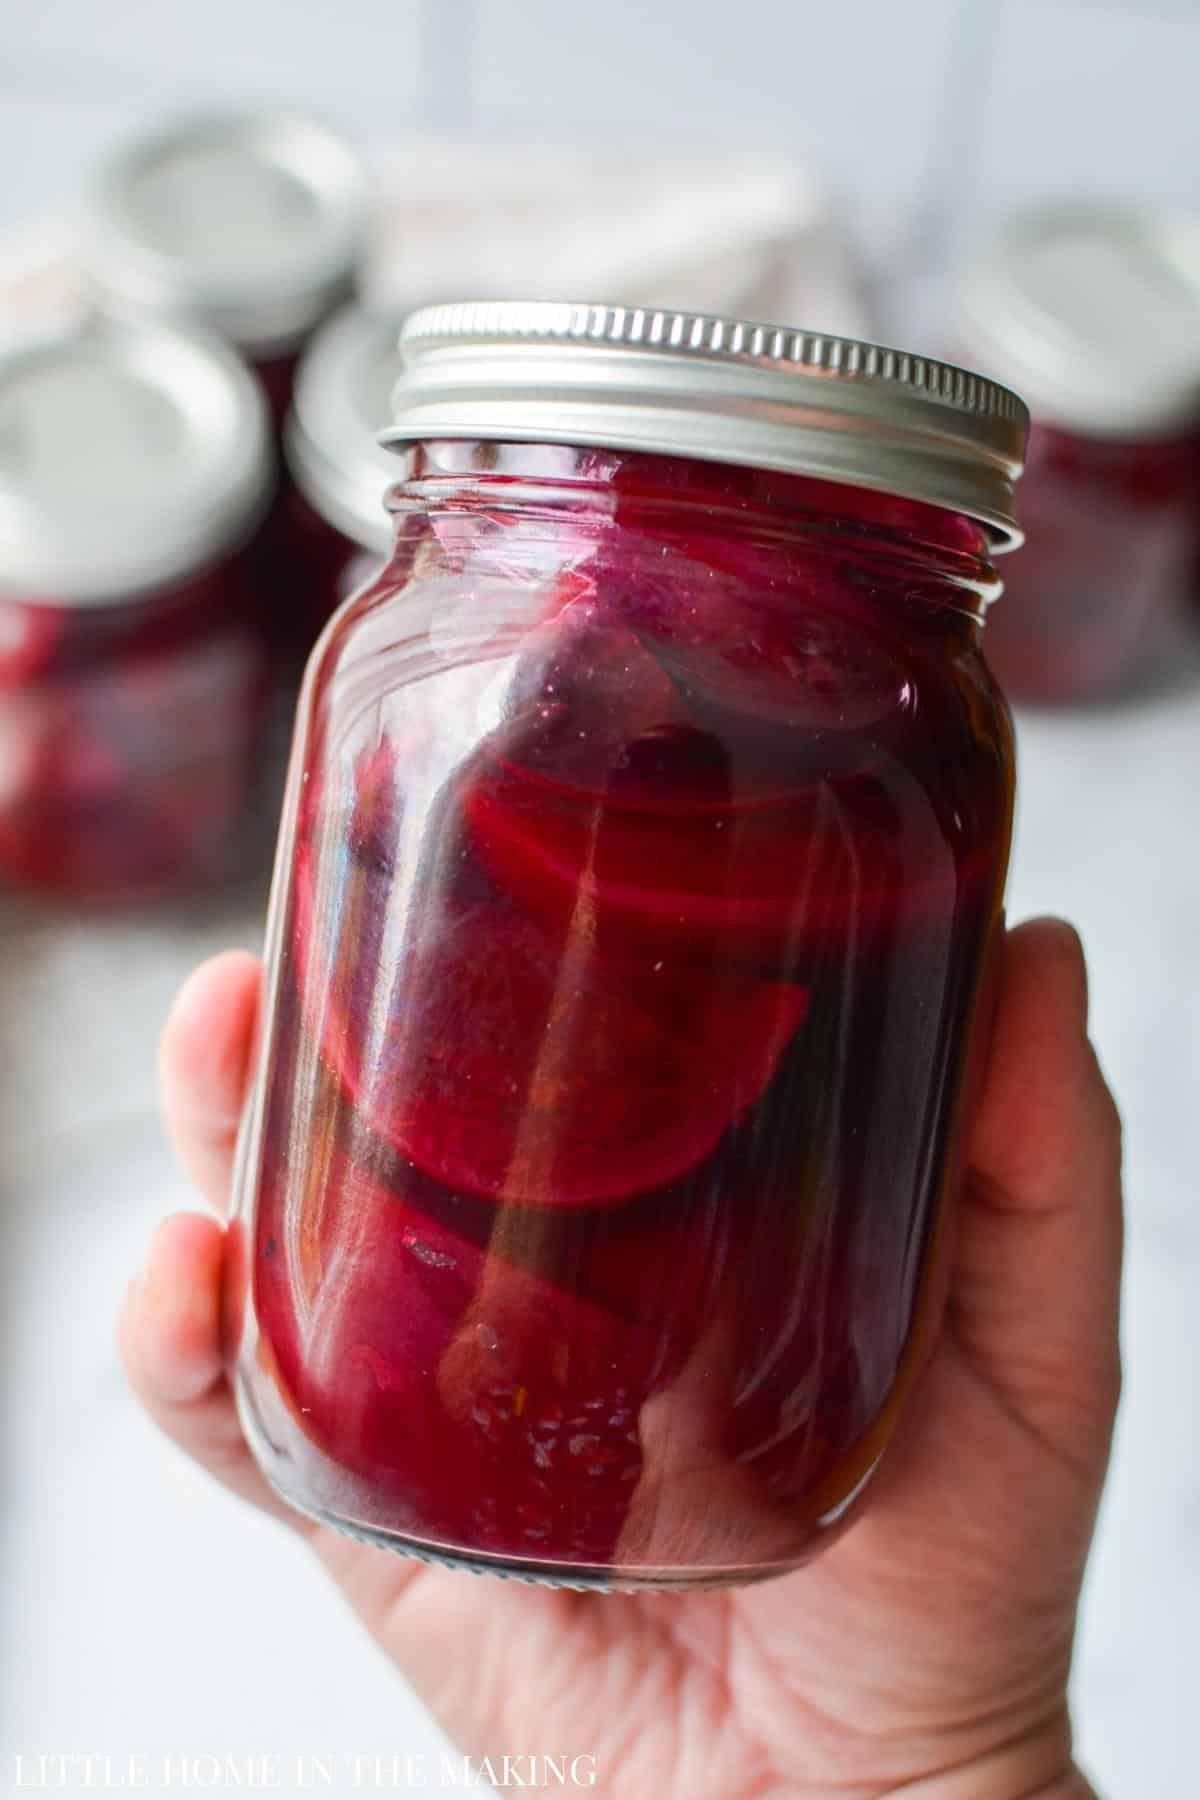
141, 1610
979, 103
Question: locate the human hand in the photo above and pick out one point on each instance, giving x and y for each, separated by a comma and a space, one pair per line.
926, 1653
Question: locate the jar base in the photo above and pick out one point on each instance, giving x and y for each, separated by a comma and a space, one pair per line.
580, 1578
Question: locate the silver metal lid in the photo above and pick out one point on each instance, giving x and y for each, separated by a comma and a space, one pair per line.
129, 457
342, 403
724, 390
248, 224
1094, 312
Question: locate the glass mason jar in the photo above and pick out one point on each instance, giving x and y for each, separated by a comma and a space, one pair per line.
247, 224
333, 531
135, 465
646, 829
1095, 315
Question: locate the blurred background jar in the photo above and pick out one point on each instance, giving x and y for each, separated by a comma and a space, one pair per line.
135, 678
335, 532
1093, 314
248, 224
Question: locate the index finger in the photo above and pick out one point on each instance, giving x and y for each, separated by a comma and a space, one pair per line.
204, 1067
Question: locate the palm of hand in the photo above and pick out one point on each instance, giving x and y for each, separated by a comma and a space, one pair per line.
905, 1650
933, 1640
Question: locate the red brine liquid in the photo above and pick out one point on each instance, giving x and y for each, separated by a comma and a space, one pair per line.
131, 740
306, 569
277, 377
630, 945
1112, 530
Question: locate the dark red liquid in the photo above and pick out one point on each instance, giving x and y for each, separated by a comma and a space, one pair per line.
624, 986
1111, 533
307, 569
277, 374
131, 740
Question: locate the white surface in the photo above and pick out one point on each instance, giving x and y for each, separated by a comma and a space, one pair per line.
1045, 95
144, 1610
1109, 835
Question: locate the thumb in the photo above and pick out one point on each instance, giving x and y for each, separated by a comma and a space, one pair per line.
1035, 1288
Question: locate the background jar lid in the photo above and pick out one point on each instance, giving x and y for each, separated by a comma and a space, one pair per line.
342, 403
1093, 311
247, 224
130, 456
723, 390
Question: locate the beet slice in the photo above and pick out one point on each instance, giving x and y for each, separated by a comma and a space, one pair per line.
754, 882
514, 1062
357, 1296
792, 691
586, 695
658, 1264
789, 657
701, 773
547, 1085
487, 1406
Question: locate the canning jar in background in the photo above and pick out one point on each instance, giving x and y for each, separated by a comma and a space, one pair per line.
646, 829
247, 224
334, 531
135, 466
1093, 313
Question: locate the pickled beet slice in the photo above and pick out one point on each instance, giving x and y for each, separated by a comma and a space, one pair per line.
809, 688
357, 1296
550, 1387
757, 882
521, 1066
659, 1263
585, 694
714, 728
789, 662
765, 699
479, 1398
